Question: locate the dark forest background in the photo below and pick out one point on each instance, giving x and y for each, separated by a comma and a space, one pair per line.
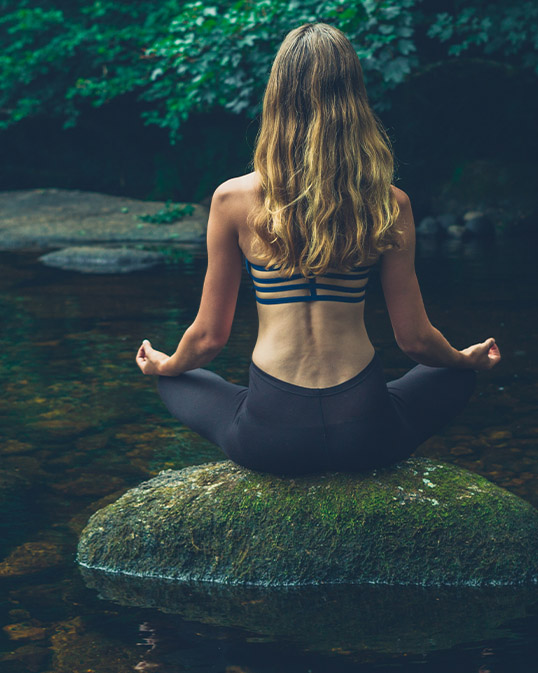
161, 100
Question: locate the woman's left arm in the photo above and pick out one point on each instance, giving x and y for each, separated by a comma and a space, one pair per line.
209, 332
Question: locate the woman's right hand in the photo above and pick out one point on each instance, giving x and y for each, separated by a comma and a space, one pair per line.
481, 356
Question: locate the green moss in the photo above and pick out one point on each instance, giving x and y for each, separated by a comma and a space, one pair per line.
419, 522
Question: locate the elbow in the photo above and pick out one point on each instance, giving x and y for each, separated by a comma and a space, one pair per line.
208, 344
212, 346
413, 345
414, 337
412, 351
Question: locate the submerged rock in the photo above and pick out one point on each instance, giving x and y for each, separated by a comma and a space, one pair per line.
32, 557
25, 631
98, 259
12, 485
14, 512
78, 649
418, 522
31, 656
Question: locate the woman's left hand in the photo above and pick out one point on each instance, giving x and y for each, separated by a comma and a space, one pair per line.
149, 360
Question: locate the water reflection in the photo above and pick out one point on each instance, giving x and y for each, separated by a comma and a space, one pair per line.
353, 618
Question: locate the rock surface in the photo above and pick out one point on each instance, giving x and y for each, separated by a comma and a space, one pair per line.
473, 224
447, 220
429, 226
97, 259
478, 224
419, 522
45, 218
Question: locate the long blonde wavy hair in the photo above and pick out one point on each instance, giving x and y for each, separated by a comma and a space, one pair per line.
324, 160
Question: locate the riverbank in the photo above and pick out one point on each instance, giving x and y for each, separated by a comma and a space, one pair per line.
42, 219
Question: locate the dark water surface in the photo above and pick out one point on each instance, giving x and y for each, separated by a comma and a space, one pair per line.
80, 425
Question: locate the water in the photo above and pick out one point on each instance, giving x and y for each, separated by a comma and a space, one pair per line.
80, 425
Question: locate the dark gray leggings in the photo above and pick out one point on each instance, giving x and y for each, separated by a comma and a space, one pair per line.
274, 426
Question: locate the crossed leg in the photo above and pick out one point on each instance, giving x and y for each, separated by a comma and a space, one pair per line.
428, 398
203, 401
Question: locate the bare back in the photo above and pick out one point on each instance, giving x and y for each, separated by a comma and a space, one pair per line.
315, 344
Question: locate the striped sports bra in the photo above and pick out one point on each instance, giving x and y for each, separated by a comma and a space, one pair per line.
344, 287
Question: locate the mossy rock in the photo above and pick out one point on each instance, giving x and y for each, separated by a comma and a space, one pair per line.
418, 522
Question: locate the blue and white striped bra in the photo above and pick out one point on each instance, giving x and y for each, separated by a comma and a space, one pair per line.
347, 287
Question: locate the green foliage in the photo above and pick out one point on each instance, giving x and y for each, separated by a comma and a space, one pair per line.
57, 54
169, 214
173, 255
221, 54
182, 57
499, 29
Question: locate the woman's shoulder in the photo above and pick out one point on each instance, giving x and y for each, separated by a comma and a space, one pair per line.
243, 186
401, 197
234, 199
404, 223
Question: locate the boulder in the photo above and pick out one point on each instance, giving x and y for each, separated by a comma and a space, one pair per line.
455, 231
478, 224
429, 226
98, 259
419, 522
447, 220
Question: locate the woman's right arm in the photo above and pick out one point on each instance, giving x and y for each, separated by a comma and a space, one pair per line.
414, 333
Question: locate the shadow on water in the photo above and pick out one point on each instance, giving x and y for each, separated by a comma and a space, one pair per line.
80, 425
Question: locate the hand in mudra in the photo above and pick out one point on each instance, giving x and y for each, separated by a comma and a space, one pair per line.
149, 360
484, 355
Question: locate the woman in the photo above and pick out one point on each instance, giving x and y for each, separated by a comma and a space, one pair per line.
317, 212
